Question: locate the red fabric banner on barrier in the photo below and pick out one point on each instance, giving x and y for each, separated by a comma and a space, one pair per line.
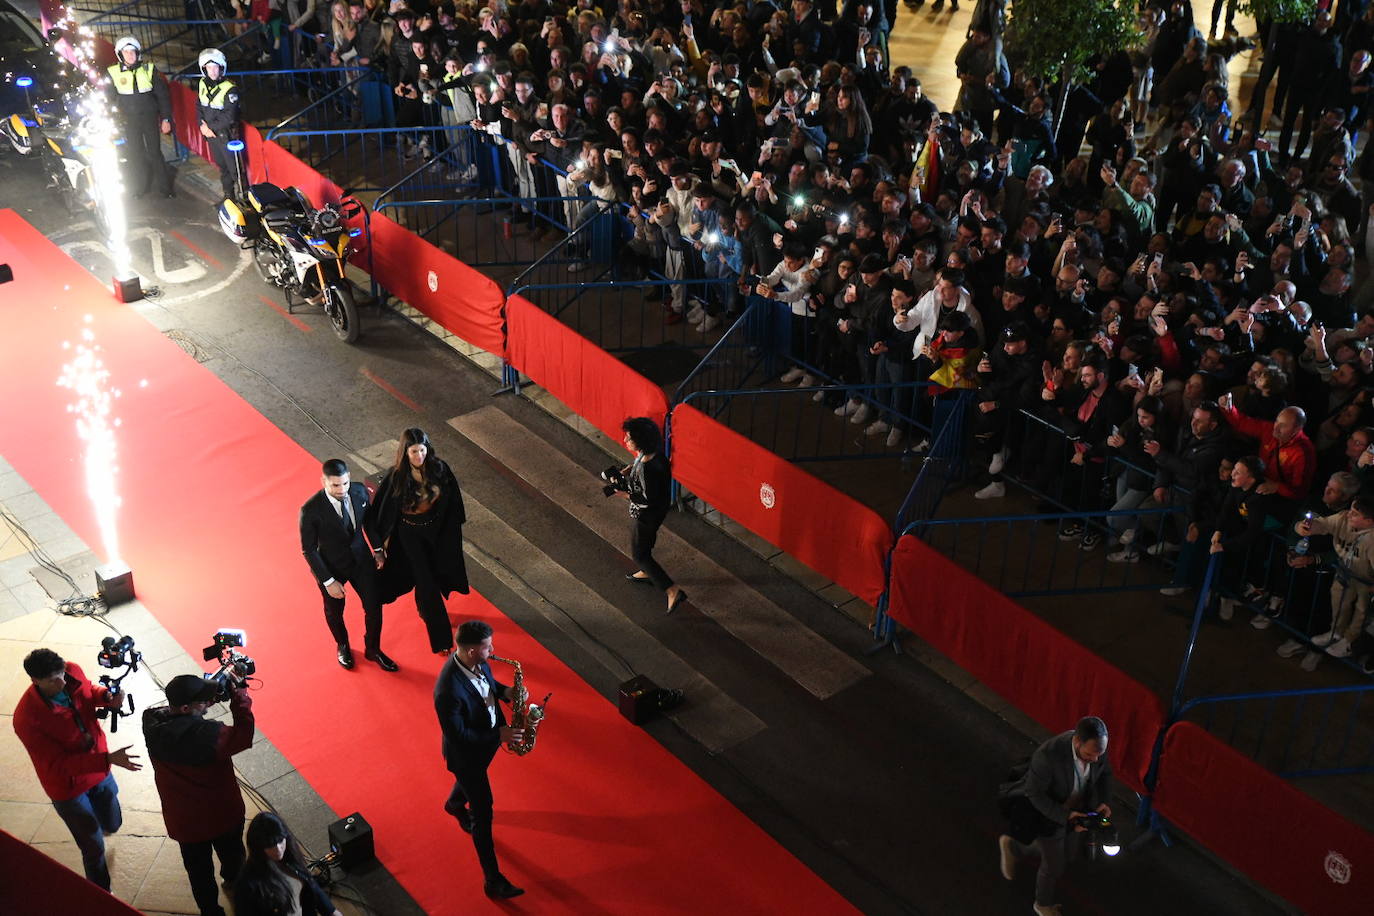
1264, 825
597, 386
461, 299
829, 531
1047, 675
285, 170
31, 884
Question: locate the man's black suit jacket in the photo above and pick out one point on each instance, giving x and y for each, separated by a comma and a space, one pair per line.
470, 740
329, 550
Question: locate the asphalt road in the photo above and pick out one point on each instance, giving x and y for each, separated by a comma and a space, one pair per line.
885, 789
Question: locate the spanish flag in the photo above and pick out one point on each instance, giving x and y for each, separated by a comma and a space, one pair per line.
925, 174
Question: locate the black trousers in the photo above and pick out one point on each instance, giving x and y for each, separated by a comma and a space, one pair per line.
421, 546
200, 868
228, 167
147, 169
363, 578
643, 536
472, 790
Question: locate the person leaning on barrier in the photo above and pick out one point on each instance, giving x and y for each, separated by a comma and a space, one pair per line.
1067, 779
1353, 560
56, 721
1009, 377
1302, 599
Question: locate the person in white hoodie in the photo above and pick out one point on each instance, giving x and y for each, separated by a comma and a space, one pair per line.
948, 295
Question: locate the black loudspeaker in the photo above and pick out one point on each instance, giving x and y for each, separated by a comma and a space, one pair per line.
638, 699
350, 838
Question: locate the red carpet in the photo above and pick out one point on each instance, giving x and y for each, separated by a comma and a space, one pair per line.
599, 818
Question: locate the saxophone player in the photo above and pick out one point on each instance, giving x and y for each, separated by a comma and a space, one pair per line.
474, 727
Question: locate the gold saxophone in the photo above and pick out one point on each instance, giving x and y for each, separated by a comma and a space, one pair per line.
523, 714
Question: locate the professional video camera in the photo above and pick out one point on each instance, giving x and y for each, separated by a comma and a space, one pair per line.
615, 481
1102, 836
234, 667
117, 653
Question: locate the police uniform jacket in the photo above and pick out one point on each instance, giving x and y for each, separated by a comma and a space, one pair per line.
218, 106
139, 91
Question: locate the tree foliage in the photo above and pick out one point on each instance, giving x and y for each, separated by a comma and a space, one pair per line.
1055, 39
1279, 10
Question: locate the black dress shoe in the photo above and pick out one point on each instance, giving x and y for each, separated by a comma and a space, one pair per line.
462, 815
642, 580
381, 659
681, 597
501, 889
345, 656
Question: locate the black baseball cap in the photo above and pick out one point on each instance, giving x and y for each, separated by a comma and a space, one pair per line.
1015, 331
185, 689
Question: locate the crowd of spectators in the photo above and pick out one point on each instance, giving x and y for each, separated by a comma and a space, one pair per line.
1153, 303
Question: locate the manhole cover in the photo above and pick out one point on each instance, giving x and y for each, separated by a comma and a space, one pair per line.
187, 341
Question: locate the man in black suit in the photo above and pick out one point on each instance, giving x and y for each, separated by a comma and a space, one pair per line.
474, 727
1068, 779
333, 543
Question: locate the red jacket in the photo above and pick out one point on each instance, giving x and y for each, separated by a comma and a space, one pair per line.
66, 744
195, 779
1292, 465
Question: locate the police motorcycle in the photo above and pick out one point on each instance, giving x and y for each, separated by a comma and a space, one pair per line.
54, 131
299, 248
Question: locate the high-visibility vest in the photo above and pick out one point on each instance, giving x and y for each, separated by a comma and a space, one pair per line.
128, 82
214, 98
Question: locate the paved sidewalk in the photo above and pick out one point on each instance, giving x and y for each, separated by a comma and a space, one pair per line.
145, 865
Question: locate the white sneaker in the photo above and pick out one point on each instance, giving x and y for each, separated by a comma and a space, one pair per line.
1310, 660
1324, 639
1124, 555
818, 397
696, 314
807, 381
894, 438
576, 267
994, 490
921, 447
1163, 547
1260, 621
1228, 608
1047, 910
877, 428
1173, 591
709, 323
1290, 648
847, 408
1338, 649
998, 462
791, 375
861, 415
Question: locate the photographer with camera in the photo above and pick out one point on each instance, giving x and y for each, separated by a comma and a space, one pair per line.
193, 766
1051, 803
647, 481
57, 722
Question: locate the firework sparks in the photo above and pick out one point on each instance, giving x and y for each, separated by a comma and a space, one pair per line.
86, 377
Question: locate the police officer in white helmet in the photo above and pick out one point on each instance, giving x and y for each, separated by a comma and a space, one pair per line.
145, 108
217, 106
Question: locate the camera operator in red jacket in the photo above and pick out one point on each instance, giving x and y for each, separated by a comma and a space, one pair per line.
56, 722
193, 766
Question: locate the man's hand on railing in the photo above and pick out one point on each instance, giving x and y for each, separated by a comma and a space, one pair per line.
987, 406
1161, 495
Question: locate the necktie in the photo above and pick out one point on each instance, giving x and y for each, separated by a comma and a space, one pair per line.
347, 519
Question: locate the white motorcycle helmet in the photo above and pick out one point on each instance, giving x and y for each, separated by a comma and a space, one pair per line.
128, 41
214, 56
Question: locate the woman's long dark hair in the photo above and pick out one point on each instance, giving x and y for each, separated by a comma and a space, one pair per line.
262, 886
403, 483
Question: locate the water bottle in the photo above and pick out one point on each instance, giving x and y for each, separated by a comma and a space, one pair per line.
1304, 543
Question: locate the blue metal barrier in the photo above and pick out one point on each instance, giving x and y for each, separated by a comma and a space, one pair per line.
1029, 559
171, 41
363, 101
258, 87
617, 317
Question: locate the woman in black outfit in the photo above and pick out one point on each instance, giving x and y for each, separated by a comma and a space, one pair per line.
418, 519
274, 880
648, 481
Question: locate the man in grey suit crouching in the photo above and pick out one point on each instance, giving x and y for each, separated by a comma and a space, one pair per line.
1068, 779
